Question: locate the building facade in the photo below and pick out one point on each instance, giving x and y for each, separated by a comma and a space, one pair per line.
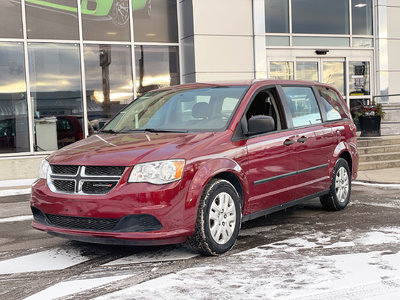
67, 66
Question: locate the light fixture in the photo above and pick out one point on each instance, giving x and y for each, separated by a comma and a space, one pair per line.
359, 5
321, 51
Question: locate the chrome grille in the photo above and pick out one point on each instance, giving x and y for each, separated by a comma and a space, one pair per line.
87, 180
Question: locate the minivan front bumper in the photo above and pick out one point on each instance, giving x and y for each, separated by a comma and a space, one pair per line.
132, 213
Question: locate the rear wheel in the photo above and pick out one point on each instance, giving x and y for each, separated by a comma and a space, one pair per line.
340, 189
218, 219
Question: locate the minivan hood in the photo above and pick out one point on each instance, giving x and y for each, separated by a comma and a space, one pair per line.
127, 149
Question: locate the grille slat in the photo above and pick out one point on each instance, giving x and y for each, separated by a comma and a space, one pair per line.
102, 224
104, 171
89, 180
65, 185
98, 187
64, 170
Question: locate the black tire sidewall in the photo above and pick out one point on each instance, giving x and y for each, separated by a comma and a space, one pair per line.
219, 187
340, 163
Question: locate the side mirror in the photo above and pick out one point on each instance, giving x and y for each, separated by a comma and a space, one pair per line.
260, 124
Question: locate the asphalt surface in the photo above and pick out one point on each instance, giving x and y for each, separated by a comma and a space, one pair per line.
371, 207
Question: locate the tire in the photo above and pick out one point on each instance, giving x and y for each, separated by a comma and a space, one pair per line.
218, 219
120, 12
340, 189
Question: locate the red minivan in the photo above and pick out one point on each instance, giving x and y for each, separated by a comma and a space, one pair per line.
190, 163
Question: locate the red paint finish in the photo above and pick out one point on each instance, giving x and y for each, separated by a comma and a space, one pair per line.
264, 167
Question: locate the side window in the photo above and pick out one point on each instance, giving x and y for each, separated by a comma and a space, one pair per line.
266, 103
333, 104
303, 106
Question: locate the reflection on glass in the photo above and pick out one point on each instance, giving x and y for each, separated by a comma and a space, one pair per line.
321, 41
52, 19
155, 21
307, 70
156, 66
277, 16
108, 20
56, 95
363, 42
109, 84
322, 16
356, 105
359, 81
281, 70
362, 17
277, 40
14, 136
10, 16
333, 74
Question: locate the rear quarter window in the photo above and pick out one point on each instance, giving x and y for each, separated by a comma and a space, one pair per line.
333, 105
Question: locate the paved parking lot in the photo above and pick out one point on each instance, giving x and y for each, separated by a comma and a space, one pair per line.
303, 252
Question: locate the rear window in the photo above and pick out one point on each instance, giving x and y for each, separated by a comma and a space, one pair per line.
303, 106
333, 105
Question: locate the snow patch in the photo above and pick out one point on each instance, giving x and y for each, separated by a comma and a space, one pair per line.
381, 185
55, 259
154, 256
17, 182
6, 193
66, 288
16, 219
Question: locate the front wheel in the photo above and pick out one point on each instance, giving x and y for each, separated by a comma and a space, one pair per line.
340, 189
218, 219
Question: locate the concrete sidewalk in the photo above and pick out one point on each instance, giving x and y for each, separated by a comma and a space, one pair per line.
385, 176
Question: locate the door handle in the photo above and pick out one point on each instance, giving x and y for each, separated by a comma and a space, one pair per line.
288, 142
303, 139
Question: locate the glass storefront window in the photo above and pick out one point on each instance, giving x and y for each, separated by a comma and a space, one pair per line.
277, 41
107, 20
363, 42
307, 70
155, 21
362, 17
11, 18
320, 17
109, 83
281, 70
277, 16
52, 19
156, 66
321, 41
359, 82
334, 74
14, 134
56, 95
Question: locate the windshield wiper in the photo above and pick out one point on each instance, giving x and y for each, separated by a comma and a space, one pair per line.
109, 131
165, 130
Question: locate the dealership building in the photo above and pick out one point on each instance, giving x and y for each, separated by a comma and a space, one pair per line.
67, 66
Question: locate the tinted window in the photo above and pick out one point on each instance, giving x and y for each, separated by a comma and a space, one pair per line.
362, 17
303, 106
333, 104
322, 16
109, 84
276, 16
13, 107
155, 21
10, 16
55, 91
52, 19
156, 66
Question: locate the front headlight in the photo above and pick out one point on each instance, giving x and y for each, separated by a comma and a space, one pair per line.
158, 172
43, 169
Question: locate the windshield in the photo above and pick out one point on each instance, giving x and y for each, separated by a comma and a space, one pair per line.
195, 109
